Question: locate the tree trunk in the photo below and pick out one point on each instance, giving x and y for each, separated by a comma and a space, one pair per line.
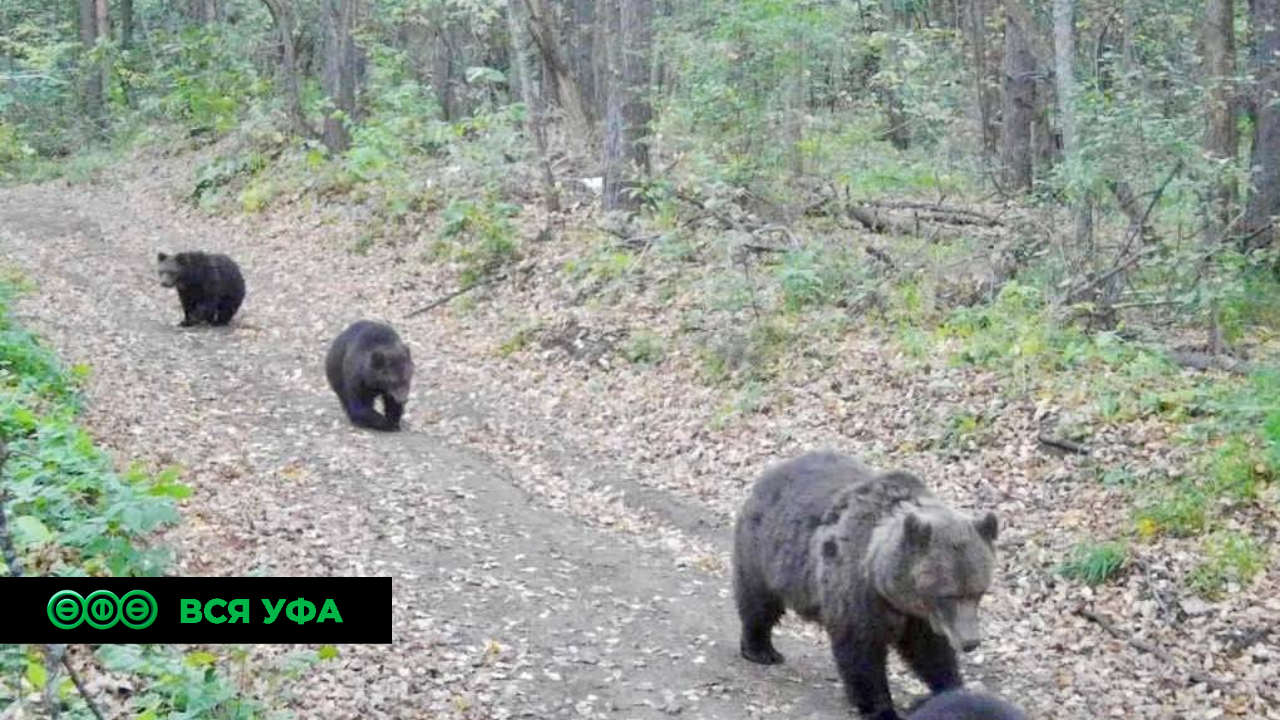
442, 76
794, 113
1019, 105
1264, 202
126, 24
1064, 44
1221, 139
339, 77
92, 79
567, 83
896, 131
94, 27
518, 24
626, 151
985, 80
282, 17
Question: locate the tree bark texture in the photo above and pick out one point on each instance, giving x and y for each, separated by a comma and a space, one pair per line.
1221, 140
126, 24
1264, 203
626, 152
896, 131
518, 25
1064, 46
1019, 102
282, 16
339, 77
568, 83
985, 79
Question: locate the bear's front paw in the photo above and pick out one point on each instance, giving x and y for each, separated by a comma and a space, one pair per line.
886, 714
763, 656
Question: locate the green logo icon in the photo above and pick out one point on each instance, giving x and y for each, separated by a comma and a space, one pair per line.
67, 609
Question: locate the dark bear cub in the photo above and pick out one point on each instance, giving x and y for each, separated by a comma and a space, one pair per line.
965, 705
210, 286
368, 360
875, 558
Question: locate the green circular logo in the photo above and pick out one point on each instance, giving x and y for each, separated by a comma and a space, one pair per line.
103, 609
67, 609
138, 609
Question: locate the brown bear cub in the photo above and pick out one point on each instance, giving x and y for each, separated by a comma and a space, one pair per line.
875, 558
367, 361
210, 286
965, 705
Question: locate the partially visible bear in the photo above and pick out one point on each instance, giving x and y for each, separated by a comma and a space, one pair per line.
210, 286
875, 558
965, 705
367, 361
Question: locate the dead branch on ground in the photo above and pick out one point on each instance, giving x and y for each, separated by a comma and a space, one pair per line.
1194, 675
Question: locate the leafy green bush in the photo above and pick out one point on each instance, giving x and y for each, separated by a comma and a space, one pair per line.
209, 81
73, 514
814, 276
481, 236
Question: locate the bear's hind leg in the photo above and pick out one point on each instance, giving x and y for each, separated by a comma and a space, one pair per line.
759, 610
861, 662
930, 656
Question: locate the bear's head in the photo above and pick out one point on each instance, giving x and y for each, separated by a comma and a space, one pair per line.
390, 370
169, 268
937, 566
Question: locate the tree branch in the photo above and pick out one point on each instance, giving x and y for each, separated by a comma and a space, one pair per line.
1195, 676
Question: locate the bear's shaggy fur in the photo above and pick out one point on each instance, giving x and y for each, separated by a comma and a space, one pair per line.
875, 558
210, 286
965, 705
368, 360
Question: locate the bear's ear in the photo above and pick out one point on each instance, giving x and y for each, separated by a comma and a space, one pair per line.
161, 257
916, 531
987, 526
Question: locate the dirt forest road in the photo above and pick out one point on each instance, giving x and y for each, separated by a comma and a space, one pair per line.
509, 602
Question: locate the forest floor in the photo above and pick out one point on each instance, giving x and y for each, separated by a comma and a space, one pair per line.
558, 523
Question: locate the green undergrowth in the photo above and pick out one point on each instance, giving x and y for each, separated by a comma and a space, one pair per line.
71, 513
1232, 423
1095, 563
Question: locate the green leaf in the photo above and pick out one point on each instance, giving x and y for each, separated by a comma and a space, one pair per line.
24, 418
28, 530
328, 652
200, 659
36, 674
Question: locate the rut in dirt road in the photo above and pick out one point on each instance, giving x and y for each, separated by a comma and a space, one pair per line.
504, 607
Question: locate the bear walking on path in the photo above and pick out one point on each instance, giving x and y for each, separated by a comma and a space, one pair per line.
367, 361
875, 558
210, 286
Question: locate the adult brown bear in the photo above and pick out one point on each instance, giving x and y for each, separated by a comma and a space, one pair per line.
875, 558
